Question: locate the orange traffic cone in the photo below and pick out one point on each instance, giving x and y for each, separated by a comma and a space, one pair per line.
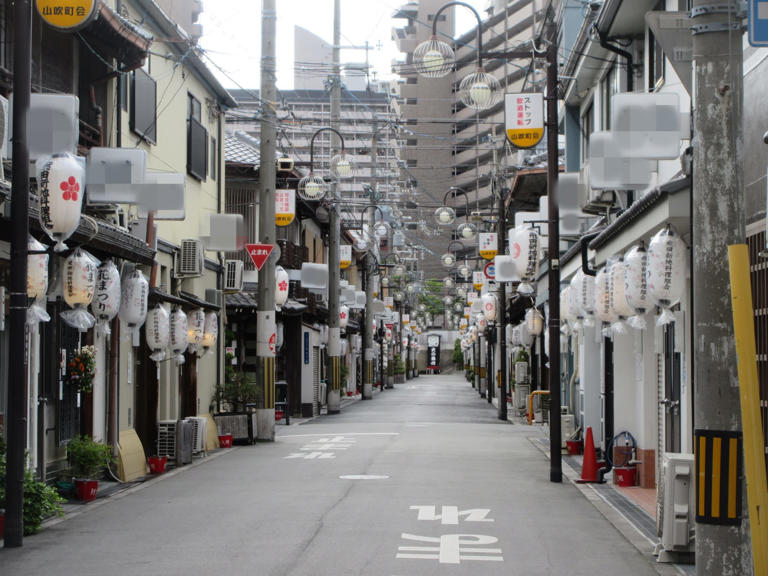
589, 464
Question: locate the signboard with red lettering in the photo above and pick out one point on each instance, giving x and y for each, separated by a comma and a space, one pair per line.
259, 253
524, 118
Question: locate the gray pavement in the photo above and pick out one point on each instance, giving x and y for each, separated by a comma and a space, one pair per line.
421, 480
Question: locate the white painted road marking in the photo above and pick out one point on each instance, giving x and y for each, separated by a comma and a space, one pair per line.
450, 514
451, 548
312, 455
364, 477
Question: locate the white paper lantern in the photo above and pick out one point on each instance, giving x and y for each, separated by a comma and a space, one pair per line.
157, 329
618, 298
603, 311
133, 304
388, 335
196, 329
524, 244
566, 321
636, 284
489, 307
106, 299
79, 287
666, 271
282, 283
37, 270
37, 282
61, 182
178, 337
534, 322
211, 330
584, 286
343, 316
481, 322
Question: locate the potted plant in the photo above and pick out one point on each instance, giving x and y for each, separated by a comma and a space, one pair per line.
87, 460
458, 356
399, 370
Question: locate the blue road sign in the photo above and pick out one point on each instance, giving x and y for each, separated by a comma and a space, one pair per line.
758, 22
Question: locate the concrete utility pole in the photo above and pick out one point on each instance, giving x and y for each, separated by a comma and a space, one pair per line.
501, 300
717, 221
334, 331
368, 358
17, 325
265, 328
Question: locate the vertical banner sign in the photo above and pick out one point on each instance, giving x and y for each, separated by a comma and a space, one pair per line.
488, 245
524, 119
285, 207
478, 278
467, 311
345, 256
389, 302
433, 352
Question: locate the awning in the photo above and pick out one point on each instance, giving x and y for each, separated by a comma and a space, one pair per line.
118, 37
157, 295
190, 298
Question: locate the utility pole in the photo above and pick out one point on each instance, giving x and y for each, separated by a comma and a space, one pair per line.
717, 221
501, 305
368, 275
334, 332
265, 330
17, 370
555, 442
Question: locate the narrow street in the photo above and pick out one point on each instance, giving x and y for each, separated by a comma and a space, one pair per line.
423, 479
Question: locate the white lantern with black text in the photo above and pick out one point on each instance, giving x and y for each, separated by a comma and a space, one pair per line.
584, 286
79, 278
61, 183
534, 322
636, 285
603, 311
178, 337
156, 329
37, 282
210, 331
481, 322
133, 304
343, 316
618, 296
196, 329
666, 271
106, 300
282, 284
524, 244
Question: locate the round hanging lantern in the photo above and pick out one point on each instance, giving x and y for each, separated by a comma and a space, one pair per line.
603, 310
465, 271
384, 281
618, 296
37, 270
666, 271
133, 305
448, 260
156, 329
178, 337
343, 316
106, 300
282, 283
636, 285
489, 307
534, 322
79, 286
448, 282
524, 246
210, 330
61, 182
37, 282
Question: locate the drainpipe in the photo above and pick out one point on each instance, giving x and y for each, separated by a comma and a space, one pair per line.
608, 372
585, 240
220, 273
623, 53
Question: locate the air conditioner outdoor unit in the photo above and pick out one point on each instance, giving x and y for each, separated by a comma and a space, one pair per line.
675, 509
215, 297
166, 439
189, 264
199, 428
521, 397
233, 275
567, 427
593, 201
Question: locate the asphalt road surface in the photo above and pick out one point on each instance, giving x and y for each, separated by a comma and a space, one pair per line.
422, 480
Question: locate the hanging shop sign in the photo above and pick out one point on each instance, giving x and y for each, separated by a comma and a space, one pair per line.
66, 15
345, 256
478, 278
285, 207
524, 119
489, 245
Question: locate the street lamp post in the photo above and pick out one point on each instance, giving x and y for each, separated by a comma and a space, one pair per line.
312, 188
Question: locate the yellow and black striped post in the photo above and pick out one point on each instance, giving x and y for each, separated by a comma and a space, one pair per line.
718, 476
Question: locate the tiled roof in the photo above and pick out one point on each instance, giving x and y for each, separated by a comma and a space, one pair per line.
240, 148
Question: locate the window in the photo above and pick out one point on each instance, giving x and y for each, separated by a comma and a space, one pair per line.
411, 162
411, 101
197, 140
213, 158
587, 127
655, 58
144, 106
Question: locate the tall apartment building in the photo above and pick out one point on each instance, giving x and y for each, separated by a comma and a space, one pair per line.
302, 112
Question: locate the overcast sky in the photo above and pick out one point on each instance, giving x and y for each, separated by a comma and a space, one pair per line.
232, 34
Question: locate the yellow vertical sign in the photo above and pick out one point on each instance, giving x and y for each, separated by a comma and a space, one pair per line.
285, 207
345, 256
488, 245
524, 118
66, 15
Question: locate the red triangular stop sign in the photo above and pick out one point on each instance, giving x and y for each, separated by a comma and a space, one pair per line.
259, 253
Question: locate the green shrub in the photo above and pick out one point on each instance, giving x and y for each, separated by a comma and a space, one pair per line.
88, 458
458, 355
470, 374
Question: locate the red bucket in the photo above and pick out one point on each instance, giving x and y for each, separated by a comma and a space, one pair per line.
574, 447
278, 415
157, 464
86, 489
624, 476
225, 441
